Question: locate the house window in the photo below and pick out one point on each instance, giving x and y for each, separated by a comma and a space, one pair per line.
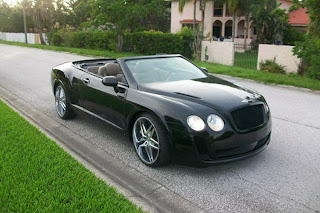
189, 25
218, 9
228, 29
216, 29
228, 12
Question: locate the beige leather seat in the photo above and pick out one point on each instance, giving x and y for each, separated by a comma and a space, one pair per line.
93, 69
112, 69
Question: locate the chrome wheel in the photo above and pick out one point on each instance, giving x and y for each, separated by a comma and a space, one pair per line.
61, 101
146, 140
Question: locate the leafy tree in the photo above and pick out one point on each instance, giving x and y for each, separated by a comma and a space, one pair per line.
269, 20
313, 8
309, 50
11, 18
233, 7
41, 11
78, 11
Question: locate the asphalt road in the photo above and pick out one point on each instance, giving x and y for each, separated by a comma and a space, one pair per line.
283, 178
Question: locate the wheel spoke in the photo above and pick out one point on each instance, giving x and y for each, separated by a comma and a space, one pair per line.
60, 109
142, 129
153, 146
154, 141
148, 130
141, 141
63, 105
150, 156
152, 132
140, 149
61, 93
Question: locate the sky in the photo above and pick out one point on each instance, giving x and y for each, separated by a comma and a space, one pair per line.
12, 2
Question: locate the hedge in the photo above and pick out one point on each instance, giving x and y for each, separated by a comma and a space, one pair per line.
147, 43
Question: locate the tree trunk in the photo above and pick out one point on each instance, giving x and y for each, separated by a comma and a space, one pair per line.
246, 28
41, 37
202, 8
195, 37
194, 16
234, 25
119, 43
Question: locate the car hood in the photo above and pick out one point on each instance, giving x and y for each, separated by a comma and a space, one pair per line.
213, 92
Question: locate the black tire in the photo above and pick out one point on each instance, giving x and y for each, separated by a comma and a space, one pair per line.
161, 156
62, 104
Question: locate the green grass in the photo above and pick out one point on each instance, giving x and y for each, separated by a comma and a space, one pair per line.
36, 175
268, 78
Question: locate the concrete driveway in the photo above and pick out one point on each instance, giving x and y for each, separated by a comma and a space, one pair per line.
283, 178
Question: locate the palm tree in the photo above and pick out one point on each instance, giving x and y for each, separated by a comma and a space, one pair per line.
41, 16
182, 3
233, 7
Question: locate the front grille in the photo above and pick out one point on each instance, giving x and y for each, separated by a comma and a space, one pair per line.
249, 117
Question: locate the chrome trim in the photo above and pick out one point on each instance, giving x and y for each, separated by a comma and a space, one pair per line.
97, 116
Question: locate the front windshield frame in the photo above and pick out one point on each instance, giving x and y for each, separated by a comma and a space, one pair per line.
191, 68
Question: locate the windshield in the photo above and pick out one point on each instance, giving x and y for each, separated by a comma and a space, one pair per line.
163, 70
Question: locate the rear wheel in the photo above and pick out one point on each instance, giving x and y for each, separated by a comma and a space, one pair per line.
62, 105
151, 141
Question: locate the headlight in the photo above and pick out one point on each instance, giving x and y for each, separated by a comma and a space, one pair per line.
215, 122
196, 123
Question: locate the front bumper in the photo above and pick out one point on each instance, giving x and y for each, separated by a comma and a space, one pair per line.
209, 148
260, 146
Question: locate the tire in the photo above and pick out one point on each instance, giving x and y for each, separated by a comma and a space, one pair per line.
62, 104
151, 141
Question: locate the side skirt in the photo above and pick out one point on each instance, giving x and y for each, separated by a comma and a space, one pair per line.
96, 116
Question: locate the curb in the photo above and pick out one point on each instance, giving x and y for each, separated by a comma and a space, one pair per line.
138, 188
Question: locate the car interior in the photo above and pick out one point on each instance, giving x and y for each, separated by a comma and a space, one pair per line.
106, 69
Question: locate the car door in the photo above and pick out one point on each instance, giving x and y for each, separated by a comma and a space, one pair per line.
104, 101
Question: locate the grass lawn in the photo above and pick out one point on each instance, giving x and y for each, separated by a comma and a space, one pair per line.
268, 78
257, 75
37, 175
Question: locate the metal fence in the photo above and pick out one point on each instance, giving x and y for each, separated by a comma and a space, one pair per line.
246, 56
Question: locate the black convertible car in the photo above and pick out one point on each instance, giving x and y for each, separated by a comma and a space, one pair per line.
171, 108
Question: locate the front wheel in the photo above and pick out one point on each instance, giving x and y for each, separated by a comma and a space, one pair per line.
62, 105
151, 141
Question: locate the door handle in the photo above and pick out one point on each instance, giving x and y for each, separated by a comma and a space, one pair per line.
86, 80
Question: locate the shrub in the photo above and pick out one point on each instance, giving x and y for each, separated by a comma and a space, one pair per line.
147, 42
291, 36
150, 43
60, 38
272, 66
309, 52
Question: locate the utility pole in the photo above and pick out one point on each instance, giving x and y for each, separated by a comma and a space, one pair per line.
25, 21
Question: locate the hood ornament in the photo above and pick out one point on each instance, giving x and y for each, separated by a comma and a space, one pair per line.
253, 98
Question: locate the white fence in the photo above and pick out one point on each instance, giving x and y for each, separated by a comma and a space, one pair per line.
218, 52
283, 55
33, 38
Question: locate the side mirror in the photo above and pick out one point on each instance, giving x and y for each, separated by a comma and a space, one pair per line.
110, 81
204, 69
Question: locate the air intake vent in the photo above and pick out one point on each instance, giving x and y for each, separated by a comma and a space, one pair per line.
191, 96
249, 117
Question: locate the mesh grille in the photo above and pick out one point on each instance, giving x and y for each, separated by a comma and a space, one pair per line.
249, 117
